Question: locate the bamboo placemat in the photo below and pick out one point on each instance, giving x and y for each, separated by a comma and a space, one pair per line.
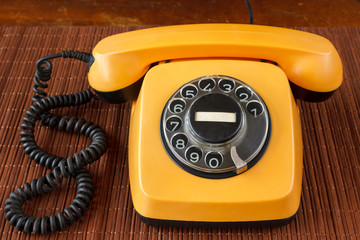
331, 182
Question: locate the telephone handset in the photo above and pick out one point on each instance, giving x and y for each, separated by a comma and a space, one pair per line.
215, 133
310, 61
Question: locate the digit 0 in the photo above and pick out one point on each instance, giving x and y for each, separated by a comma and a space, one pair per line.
213, 159
214, 162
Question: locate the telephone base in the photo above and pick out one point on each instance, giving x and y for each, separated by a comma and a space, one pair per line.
195, 224
160, 189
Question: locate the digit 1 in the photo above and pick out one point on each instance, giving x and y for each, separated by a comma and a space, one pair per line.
254, 112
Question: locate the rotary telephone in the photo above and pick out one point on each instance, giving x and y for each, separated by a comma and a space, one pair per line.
215, 135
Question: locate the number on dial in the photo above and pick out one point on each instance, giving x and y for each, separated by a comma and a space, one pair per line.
173, 123
177, 106
254, 108
243, 93
179, 141
213, 159
189, 91
193, 154
207, 84
226, 85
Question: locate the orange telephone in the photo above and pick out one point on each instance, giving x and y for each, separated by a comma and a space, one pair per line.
215, 134
212, 110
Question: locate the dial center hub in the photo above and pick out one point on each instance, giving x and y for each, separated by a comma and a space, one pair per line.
215, 118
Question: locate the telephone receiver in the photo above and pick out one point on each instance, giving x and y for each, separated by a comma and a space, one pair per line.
215, 134
120, 61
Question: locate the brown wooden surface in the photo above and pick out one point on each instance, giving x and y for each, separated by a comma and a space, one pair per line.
168, 12
330, 199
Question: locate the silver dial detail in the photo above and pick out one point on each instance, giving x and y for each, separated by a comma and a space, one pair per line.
221, 106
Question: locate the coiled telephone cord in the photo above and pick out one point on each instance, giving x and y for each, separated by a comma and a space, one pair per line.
61, 167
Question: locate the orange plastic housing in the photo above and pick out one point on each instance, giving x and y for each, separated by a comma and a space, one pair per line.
310, 61
162, 190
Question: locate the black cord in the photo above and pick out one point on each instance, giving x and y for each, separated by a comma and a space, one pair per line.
61, 167
251, 16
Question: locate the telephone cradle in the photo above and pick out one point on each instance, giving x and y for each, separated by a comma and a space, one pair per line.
215, 134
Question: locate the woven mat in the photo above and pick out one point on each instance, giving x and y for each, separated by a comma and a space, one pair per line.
330, 199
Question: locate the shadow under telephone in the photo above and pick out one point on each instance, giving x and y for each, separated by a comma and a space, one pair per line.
215, 135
